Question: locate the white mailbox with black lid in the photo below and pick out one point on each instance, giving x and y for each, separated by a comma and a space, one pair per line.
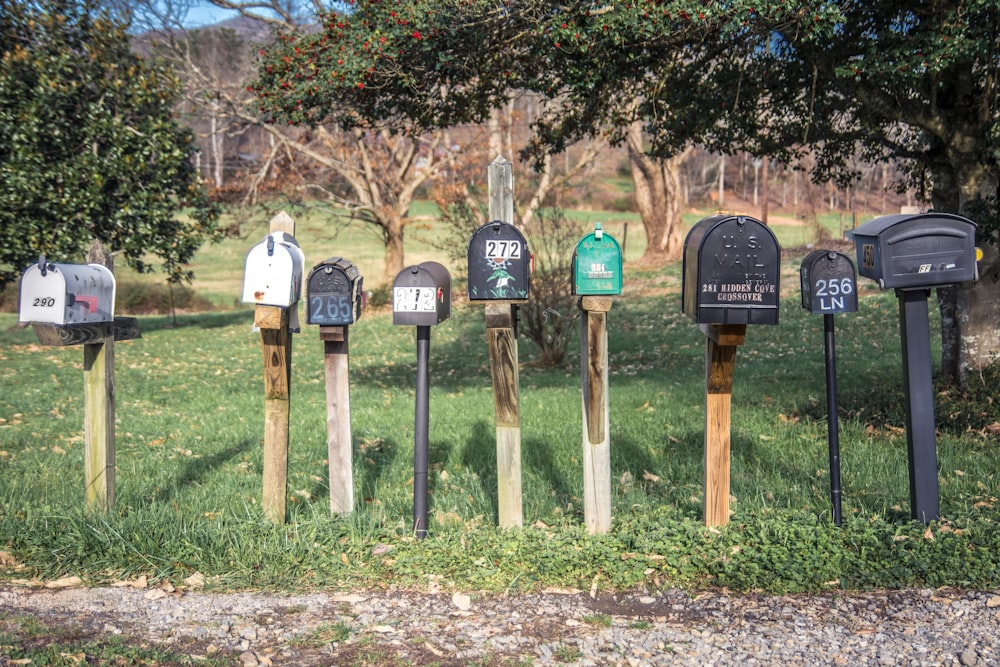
333, 292
66, 294
421, 295
273, 275
732, 265
499, 263
916, 250
828, 283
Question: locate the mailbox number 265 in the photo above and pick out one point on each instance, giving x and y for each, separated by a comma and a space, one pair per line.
331, 308
834, 286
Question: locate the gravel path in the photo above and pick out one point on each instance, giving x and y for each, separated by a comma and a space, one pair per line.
922, 627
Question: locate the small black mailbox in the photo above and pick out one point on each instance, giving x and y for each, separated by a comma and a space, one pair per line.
828, 283
731, 268
334, 294
421, 295
499, 263
916, 251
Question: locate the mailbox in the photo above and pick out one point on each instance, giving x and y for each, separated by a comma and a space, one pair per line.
916, 251
499, 263
597, 264
273, 275
731, 268
67, 294
333, 293
421, 295
828, 283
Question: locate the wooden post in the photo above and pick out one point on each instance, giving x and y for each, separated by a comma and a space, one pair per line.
338, 418
276, 340
502, 341
720, 367
596, 416
99, 408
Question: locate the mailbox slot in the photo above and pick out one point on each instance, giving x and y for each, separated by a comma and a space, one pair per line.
333, 293
916, 251
273, 275
828, 283
421, 295
66, 294
731, 271
499, 263
597, 264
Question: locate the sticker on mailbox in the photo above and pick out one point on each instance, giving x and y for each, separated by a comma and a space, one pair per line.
414, 299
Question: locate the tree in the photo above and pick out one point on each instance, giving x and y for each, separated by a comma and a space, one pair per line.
89, 147
916, 82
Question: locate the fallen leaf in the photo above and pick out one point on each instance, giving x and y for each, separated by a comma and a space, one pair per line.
64, 582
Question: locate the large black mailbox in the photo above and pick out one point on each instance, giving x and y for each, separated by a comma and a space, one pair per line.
828, 283
499, 263
334, 294
421, 295
732, 264
916, 251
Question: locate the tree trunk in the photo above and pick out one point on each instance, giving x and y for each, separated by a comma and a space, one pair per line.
658, 197
393, 231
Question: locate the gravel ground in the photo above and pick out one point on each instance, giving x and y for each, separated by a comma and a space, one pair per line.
917, 627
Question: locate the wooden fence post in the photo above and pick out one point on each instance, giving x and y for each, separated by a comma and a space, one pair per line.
596, 422
720, 367
338, 418
502, 340
99, 407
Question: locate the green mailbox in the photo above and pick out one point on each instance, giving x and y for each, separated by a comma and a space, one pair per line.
597, 264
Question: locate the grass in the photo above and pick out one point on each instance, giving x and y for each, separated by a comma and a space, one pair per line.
189, 436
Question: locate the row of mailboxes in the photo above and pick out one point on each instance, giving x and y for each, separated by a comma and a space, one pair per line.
66, 294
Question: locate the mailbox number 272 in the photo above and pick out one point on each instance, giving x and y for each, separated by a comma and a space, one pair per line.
834, 286
503, 249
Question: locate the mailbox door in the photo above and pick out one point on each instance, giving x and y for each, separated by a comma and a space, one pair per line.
499, 263
421, 295
597, 266
333, 292
828, 283
732, 266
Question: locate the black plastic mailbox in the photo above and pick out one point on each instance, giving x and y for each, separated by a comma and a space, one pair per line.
333, 292
499, 263
916, 251
732, 265
828, 283
421, 295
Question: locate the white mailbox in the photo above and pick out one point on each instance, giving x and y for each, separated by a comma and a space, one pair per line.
67, 294
273, 275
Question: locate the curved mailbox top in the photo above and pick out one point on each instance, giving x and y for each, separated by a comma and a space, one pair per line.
732, 265
916, 251
273, 275
421, 295
828, 283
499, 263
597, 264
333, 292
66, 294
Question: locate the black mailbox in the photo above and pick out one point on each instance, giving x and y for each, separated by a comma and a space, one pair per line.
916, 251
731, 268
421, 295
828, 283
334, 294
499, 263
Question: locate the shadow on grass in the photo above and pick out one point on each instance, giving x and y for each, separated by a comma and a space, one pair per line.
479, 456
206, 320
196, 470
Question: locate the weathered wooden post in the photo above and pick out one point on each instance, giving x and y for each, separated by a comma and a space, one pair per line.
334, 299
71, 304
732, 266
499, 274
421, 297
273, 281
597, 275
828, 287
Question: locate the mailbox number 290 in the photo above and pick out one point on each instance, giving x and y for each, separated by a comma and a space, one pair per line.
43, 302
500, 249
834, 286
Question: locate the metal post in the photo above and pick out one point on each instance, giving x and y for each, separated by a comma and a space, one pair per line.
420, 433
832, 426
919, 387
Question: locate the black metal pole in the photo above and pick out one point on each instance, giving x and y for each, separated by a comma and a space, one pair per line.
420, 431
832, 426
914, 325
